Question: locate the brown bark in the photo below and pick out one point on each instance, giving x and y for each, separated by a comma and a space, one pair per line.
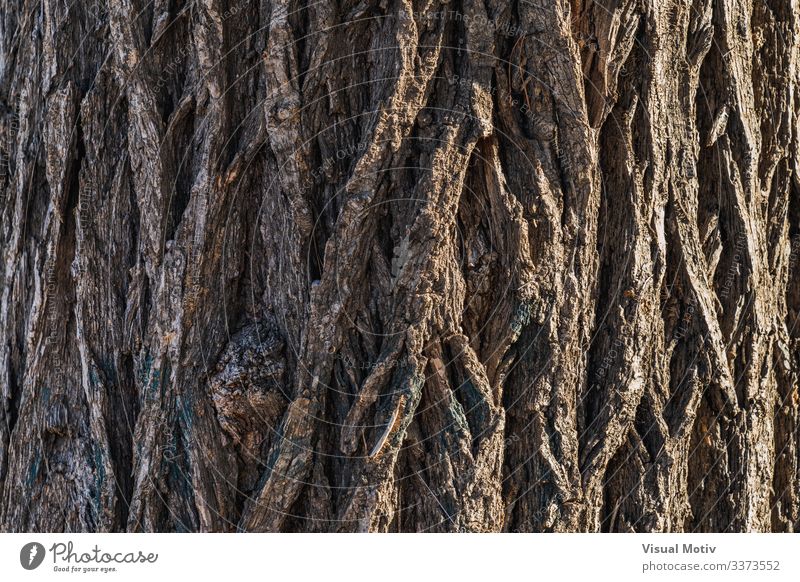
399, 265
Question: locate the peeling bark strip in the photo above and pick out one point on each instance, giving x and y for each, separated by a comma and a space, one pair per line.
411, 265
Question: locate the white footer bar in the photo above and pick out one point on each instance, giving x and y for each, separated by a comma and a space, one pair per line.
390, 557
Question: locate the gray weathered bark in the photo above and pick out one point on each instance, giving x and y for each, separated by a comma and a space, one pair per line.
399, 265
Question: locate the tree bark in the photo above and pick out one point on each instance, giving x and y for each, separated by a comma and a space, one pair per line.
399, 265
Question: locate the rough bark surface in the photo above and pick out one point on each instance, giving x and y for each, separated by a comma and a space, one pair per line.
399, 265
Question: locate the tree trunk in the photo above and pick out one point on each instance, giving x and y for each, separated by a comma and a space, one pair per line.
399, 265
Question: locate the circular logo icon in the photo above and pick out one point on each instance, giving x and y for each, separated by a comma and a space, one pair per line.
31, 556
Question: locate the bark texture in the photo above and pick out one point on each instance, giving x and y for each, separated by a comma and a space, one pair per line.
399, 265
